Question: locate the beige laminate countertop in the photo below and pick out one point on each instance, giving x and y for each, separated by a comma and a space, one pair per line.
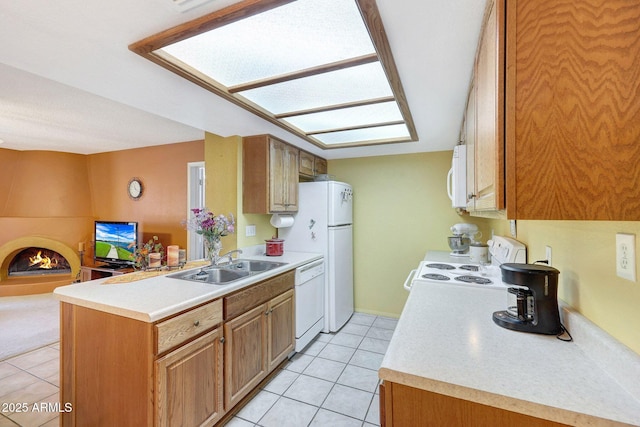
446, 342
150, 300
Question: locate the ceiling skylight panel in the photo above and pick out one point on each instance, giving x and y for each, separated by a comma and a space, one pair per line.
369, 135
347, 117
338, 87
321, 69
296, 36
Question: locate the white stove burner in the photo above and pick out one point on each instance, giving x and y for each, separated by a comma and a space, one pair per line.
459, 274
441, 267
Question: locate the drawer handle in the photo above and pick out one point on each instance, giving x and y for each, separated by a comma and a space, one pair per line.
196, 323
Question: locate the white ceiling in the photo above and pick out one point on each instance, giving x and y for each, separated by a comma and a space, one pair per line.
69, 83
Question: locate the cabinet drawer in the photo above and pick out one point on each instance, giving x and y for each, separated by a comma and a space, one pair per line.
179, 329
246, 299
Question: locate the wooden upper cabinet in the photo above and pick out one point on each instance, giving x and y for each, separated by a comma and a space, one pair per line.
470, 142
270, 175
573, 110
320, 166
485, 117
307, 162
311, 166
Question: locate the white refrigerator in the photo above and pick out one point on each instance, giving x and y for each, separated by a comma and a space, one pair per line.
324, 224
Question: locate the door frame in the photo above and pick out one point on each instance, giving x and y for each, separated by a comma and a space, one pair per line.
196, 182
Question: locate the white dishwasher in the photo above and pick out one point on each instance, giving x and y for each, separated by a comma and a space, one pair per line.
309, 302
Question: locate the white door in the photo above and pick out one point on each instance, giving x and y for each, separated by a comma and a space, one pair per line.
195, 199
340, 202
340, 274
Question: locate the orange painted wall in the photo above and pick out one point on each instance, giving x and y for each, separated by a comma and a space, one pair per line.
44, 194
59, 195
163, 171
41, 184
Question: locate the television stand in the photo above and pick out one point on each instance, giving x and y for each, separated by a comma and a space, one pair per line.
95, 271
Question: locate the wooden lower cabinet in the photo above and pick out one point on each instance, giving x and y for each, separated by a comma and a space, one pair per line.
281, 328
402, 405
256, 343
245, 357
189, 383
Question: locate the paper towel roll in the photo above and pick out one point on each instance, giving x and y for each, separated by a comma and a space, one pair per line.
281, 221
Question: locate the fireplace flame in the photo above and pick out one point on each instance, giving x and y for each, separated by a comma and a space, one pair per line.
42, 262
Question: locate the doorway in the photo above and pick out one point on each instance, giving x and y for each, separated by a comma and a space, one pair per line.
195, 199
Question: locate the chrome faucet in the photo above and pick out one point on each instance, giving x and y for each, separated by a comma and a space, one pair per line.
229, 255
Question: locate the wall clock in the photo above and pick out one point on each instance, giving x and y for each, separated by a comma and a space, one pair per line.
134, 188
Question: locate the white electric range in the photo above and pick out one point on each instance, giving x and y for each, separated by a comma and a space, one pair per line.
440, 267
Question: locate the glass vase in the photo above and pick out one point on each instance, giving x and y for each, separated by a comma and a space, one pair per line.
214, 246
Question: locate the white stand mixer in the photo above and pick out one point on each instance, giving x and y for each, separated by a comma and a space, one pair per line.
463, 235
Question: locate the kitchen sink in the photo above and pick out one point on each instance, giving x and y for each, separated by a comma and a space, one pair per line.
227, 273
253, 265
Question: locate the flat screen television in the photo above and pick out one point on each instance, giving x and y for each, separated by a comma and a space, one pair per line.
115, 243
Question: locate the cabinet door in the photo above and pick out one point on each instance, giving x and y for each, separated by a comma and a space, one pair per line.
470, 142
291, 178
189, 383
573, 140
281, 324
489, 142
320, 166
306, 164
245, 353
277, 176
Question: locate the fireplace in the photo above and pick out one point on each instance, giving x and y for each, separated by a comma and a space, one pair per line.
35, 264
38, 261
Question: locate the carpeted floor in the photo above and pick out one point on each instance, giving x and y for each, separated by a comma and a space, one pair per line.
28, 322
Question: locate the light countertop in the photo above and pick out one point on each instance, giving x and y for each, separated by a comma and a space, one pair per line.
446, 342
155, 298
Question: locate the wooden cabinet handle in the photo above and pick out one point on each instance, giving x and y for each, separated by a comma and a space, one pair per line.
196, 323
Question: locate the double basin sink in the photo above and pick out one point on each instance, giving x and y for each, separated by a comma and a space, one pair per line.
227, 273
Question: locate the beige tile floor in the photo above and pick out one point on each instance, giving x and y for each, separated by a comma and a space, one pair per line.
29, 386
333, 382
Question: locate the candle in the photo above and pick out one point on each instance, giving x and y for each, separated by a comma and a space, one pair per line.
154, 260
172, 255
81, 247
182, 256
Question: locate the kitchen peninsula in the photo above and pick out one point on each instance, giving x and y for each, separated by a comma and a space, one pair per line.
164, 351
449, 364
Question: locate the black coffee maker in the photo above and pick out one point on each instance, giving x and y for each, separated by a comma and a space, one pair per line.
533, 302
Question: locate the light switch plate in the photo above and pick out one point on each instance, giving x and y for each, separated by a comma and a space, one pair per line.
626, 256
250, 231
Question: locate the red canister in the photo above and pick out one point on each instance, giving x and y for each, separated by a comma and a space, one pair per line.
275, 247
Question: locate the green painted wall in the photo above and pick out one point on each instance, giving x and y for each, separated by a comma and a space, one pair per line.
401, 210
223, 165
584, 252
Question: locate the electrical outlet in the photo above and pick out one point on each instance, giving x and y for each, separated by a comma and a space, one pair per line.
547, 255
626, 256
250, 231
